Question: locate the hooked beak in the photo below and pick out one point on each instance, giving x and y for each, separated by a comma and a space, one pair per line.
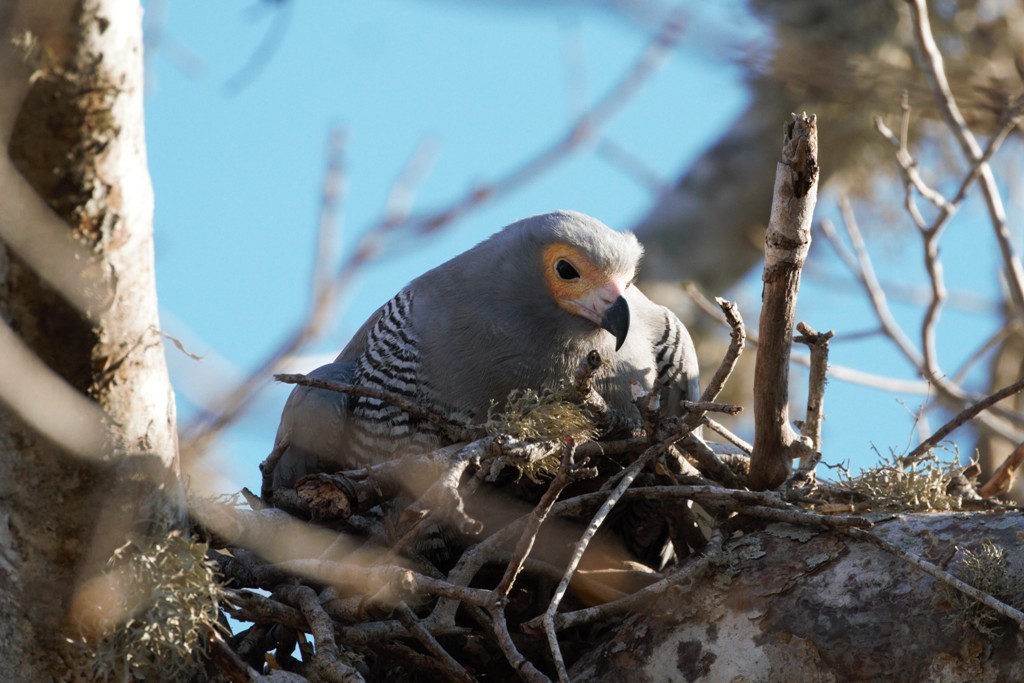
616, 320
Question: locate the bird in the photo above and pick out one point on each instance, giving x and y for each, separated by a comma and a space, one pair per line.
517, 311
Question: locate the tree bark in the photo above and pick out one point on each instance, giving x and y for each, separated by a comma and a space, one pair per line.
88, 446
800, 605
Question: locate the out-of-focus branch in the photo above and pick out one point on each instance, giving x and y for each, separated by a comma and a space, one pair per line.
840, 372
864, 272
207, 426
397, 218
787, 241
932, 63
1001, 480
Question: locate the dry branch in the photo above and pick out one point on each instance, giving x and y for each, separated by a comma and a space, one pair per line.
1002, 479
786, 244
962, 417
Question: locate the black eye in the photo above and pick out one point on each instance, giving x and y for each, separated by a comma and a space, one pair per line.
565, 270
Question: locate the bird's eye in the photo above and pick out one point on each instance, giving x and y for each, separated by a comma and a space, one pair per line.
565, 270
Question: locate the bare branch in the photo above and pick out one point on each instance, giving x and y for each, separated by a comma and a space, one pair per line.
720, 429
787, 241
540, 512
454, 670
1002, 479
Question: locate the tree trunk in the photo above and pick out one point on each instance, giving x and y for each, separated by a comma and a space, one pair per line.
88, 446
792, 604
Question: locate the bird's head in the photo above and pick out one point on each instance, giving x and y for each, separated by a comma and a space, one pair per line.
587, 267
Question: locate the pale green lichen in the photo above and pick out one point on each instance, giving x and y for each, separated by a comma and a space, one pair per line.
544, 416
894, 486
159, 617
540, 416
986, 569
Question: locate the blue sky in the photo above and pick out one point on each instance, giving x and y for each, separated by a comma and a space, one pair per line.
238, 176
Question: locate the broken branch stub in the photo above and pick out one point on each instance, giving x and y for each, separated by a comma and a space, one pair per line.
787, 241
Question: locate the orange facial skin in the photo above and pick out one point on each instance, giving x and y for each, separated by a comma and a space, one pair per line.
591, 293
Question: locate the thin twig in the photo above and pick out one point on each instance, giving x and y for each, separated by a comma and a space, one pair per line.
692, 570
326, 660
526, 540
726, 434
962, 417
454, 671
458, 430
738, 335
940, 574
201, 430
578, 551
1001, 481
817, 342
839, 372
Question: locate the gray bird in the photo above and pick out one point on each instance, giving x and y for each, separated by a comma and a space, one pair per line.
519, 310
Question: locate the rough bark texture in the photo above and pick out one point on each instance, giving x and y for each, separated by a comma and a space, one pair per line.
77, 289
798, 605
787, 242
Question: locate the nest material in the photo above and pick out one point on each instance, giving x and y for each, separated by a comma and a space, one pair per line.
894, 486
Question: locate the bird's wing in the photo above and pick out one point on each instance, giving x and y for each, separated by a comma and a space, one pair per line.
674, 356
676, 360
312, 427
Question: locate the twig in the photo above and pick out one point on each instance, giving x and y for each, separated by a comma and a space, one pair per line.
268, 466
578, 551
453, 670
458, 430
701, 407
198, 433
581, 132
787, 241
964, 415
709, 462
691, 571
940, 574
839, 372
726, 434
865, 273
523, 666
817, 342
1002, 479
1010, 328
326, 662
526, 540
738, 335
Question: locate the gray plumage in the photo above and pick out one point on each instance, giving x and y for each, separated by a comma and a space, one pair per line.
473, 329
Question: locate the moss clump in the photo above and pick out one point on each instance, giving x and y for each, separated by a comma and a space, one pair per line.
545, 416
534, 416
891, 485
985, 569
151, 613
